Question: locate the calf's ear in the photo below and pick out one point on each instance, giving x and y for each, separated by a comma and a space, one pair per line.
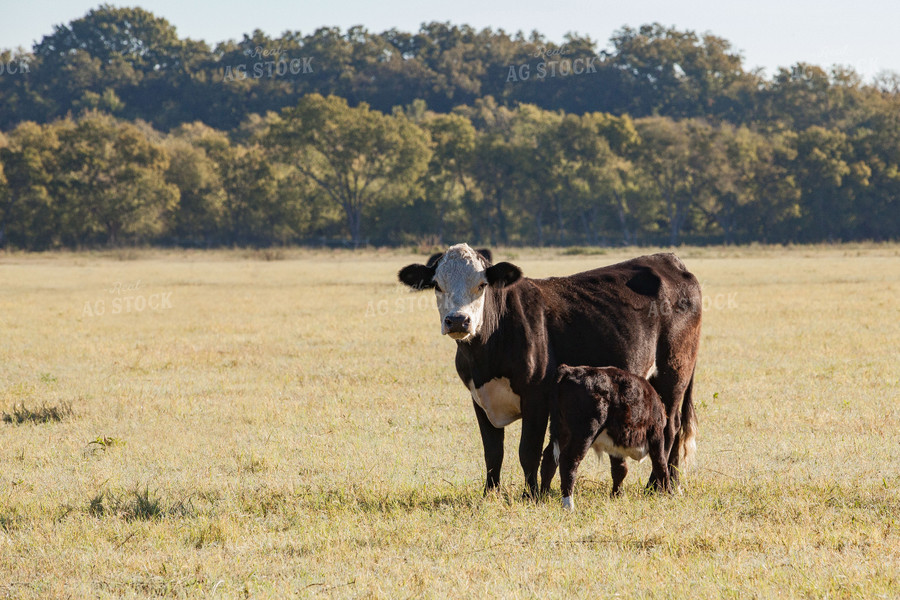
417, 277
503, 274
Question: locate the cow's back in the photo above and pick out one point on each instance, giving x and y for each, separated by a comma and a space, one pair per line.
615, 315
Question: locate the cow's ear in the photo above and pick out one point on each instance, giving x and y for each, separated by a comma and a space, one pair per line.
503, 274
434, 258
486, 254
417, 277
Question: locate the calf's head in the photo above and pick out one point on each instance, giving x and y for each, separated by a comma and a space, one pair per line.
460, 278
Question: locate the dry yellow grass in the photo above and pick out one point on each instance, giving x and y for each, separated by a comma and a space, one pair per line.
296, 427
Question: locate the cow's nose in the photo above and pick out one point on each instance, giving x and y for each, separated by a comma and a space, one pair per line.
457, 322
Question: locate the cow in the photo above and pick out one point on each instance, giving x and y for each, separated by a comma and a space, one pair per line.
611, 411
512, 332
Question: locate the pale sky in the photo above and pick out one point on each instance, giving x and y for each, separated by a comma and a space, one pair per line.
769, 33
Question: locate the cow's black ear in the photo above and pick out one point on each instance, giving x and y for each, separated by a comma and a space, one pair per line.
417, 277
434, 258
486, 253
503, 274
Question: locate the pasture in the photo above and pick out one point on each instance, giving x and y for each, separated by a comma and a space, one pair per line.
295, 427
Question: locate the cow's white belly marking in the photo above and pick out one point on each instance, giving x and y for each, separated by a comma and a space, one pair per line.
501, 405
604, 443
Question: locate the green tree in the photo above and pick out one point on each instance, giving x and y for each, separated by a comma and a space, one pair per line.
112, 181
822, 167
357, 156
28, 209
675, 73
664, 155
200, 213
609, 171
447, 182
495, 163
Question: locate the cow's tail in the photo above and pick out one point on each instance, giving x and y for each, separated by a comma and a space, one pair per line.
687, 447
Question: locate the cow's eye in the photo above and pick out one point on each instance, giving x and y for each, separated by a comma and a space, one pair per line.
482, 285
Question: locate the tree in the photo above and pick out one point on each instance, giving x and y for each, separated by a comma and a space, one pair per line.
608, 169
112, 181
675, 73
822, 167
496, 160
28, 209
357, 156
664, 155
200, 214
447, 182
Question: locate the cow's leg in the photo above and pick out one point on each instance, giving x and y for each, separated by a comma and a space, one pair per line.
661, 478
676, 357
492, 439
671, 441
671, 385
619, 469
534, 428
674, 455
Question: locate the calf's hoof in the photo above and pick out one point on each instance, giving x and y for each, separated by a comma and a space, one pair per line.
531, 493
568, 504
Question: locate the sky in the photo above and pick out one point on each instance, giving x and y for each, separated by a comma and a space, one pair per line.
768, 33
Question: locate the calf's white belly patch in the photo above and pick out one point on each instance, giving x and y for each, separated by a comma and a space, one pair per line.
604, 443
501, 405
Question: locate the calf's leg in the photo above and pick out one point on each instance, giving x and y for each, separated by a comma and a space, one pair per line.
619, 469
548, 467
570, 456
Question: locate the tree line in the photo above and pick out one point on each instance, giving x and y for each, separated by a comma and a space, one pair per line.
118, 131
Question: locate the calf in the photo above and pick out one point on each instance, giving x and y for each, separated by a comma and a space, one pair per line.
612, 411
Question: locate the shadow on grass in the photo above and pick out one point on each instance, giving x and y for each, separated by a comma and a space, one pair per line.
45, 414
385, 502
263, 502
138, 505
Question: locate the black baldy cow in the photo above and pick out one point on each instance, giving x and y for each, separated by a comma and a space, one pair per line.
611, 411
511, 333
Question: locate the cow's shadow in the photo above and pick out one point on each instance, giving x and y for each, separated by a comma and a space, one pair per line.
410, 499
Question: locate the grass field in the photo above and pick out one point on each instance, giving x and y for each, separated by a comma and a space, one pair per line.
269, 428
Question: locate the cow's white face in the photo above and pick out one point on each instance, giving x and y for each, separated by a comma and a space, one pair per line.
460, 278
460, 282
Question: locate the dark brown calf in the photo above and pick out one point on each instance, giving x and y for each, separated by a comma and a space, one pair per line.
613, 411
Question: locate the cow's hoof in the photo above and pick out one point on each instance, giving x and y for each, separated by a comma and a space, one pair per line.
491, 491
568, 504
